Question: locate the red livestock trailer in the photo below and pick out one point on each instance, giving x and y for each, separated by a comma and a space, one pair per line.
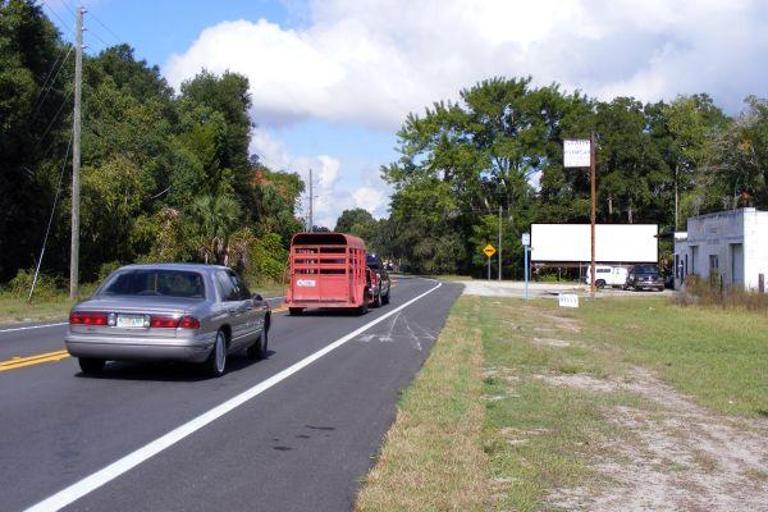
327, 270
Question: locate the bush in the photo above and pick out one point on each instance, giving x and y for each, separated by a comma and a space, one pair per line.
267, 260
711, 292
47, 287
107, 268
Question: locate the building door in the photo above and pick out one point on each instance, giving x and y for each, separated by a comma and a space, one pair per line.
737, 264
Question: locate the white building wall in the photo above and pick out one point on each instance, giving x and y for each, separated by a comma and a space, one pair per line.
716, 234
755, 247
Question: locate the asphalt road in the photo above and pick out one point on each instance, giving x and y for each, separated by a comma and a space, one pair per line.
303, 442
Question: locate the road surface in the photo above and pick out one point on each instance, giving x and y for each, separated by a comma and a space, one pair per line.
295, 432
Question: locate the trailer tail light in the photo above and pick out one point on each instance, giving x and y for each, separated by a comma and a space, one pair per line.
189, 322
87, 318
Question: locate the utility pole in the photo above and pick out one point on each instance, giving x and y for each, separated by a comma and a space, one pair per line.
311, 200
74, 260
500, 209
592, 178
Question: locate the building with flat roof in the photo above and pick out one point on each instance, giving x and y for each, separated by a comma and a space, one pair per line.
731, 244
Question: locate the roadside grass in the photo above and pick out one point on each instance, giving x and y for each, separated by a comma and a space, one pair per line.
551, 385
432, 458
718, 356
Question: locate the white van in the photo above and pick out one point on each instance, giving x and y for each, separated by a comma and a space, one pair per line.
608, 276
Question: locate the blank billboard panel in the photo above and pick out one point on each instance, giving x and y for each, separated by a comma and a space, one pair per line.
618, 243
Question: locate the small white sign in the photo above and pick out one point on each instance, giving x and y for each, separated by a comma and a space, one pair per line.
306, 283
568, 300
576, 153
526, 239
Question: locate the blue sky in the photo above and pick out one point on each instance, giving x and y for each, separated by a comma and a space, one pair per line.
332, 80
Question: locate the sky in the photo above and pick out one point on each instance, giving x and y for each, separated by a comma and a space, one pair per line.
332, 80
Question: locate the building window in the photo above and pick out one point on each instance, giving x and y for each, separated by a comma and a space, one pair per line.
714, 263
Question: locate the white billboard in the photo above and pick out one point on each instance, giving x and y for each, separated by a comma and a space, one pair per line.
576, 153
617, 243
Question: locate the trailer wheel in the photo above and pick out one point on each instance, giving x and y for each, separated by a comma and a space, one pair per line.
295, 311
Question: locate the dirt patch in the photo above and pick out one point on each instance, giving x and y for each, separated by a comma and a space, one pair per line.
562, 323
679, 456
551, 342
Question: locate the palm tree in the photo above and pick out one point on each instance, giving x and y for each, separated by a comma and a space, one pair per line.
216, 218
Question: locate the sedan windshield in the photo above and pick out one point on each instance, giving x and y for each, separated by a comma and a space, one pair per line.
154, 282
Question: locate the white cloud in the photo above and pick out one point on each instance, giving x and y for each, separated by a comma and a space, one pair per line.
333, 194
374, 61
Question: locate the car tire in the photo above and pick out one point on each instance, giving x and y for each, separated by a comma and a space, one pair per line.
91, 366
295, 311
378, 302
600, 283
258, 350
385, 299
363, 309
216, 364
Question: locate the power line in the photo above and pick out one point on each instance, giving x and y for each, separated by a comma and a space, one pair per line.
117, 38
55, 117
50, 220
58, 17
51, 84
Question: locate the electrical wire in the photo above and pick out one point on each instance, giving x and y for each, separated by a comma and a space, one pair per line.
50, 86
50, 219
55, 117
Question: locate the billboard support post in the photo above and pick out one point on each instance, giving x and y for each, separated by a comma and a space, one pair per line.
582, 153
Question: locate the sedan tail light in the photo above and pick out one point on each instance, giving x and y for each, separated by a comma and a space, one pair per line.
189, 322
170, 322
87, 318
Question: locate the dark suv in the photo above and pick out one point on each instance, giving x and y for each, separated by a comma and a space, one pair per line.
378, 280
643, 277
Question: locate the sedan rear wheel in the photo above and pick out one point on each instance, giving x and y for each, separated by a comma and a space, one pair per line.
91, 366
258, 350
216, 364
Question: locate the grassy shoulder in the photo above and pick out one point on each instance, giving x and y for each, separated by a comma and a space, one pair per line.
432, 458
634, 385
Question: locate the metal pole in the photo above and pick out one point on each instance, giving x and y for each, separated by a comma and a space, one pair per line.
525, 249
592, 178
74, 260
311, 199
499, 242
489, 268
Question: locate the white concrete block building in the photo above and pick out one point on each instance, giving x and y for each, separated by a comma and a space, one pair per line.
733, 244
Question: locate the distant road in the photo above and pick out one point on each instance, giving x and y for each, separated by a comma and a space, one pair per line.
302, 442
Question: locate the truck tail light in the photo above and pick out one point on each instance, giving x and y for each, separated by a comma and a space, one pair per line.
87, 318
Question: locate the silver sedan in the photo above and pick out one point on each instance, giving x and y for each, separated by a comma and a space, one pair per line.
173, 312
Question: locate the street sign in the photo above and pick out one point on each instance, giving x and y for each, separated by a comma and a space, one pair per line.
526, 239
489, 250
576, 153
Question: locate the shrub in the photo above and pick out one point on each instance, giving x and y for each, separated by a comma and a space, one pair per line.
267, 259
107, 268
711, 292
47, 286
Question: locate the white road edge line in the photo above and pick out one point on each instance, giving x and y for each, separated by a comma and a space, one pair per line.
92, 482
29, 327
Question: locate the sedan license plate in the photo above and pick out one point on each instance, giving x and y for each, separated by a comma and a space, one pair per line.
131, 321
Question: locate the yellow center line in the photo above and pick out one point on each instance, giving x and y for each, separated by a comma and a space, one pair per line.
21, 362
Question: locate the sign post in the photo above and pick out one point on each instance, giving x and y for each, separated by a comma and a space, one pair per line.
526, 241
582, 153
489, 251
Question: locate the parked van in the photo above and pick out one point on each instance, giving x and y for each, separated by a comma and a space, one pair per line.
615, 277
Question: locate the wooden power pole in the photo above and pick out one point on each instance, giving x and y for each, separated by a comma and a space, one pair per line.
74, 261
311, 200
592, 178
500, 211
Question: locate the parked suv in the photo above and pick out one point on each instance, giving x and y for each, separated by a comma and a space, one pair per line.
642, 277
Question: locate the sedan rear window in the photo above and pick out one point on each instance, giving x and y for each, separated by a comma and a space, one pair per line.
164, 283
